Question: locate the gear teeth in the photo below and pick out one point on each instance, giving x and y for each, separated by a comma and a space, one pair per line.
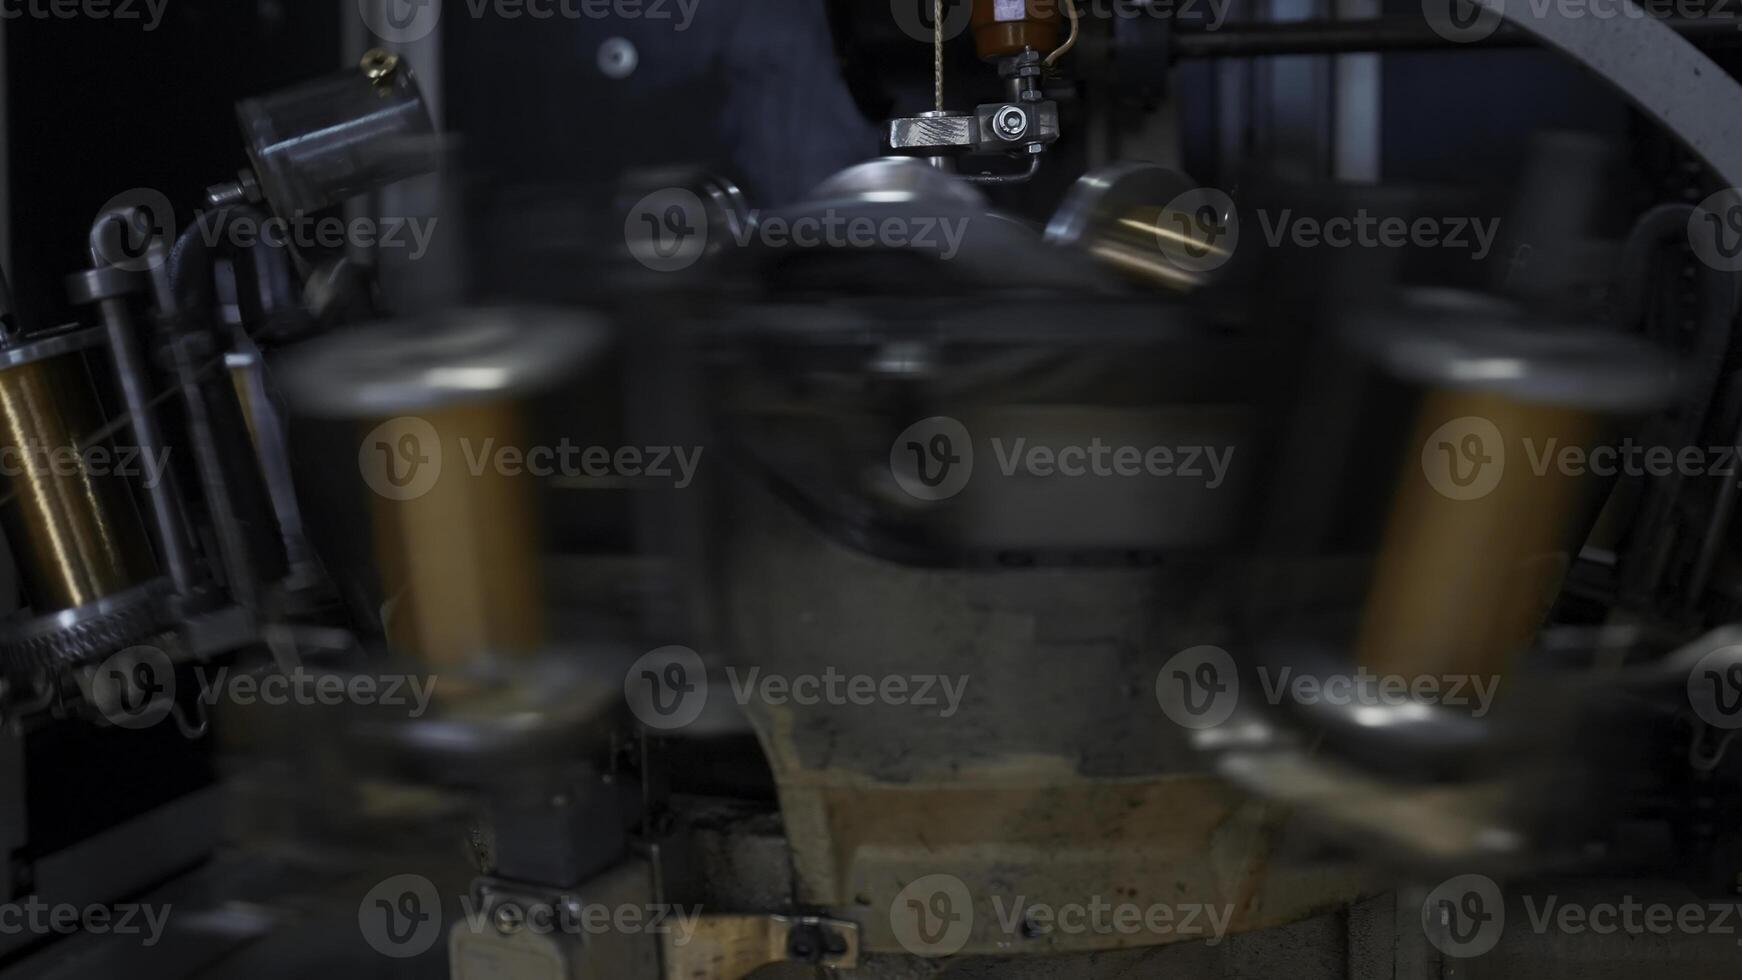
83, 642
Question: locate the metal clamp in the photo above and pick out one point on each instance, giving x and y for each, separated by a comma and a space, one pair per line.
728, 947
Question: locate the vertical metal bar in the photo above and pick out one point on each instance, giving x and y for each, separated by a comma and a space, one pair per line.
191, 356
1355, 113
937, 43
131, 374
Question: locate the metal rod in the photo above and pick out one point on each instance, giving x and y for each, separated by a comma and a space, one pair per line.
937, 42
131, 375
191, 358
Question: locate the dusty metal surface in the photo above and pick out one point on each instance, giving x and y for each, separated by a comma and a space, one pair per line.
1056, 781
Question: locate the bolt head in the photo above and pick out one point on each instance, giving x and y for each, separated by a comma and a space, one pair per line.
379, 65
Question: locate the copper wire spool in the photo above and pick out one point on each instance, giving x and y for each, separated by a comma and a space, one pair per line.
1477, 541
456, 543
77, 535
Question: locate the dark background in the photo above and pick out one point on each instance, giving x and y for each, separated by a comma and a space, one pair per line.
96, 108
773, 93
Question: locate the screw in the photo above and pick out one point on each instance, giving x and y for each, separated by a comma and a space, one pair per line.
508, 918
1010, 122
805, 944
379, 65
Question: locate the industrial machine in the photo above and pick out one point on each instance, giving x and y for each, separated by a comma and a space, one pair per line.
1018, 487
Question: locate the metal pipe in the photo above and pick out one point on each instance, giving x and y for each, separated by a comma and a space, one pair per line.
191, 355
1020, 177
1384, 34
132, 377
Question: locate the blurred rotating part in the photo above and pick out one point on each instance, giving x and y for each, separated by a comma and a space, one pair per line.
675, 218
1476, 543
1450, 398
456, 541
457, 548
1429, 456
897, 180
90, 579
945, 230
1128, 217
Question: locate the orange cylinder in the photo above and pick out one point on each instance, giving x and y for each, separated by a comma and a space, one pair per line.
1005, 27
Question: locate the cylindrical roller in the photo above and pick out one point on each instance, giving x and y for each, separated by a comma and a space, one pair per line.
1427, 527
1480, 533
1467, 573
331, 139
1128, 218
1005, 27
460, 562
456, 538
77, 533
